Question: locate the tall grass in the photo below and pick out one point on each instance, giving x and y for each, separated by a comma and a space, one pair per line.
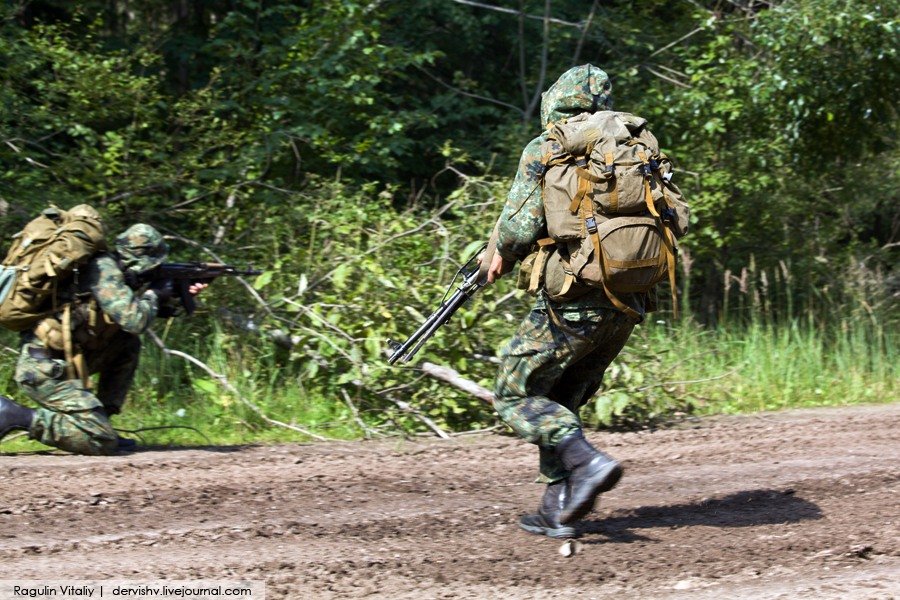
784, 340
768, 366
738, 368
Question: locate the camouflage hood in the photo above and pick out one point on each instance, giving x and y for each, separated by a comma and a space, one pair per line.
141, 248
580, 89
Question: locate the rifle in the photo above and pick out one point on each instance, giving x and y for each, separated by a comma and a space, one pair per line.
474, 277
185, 274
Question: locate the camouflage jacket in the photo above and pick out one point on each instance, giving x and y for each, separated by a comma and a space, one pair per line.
104, 304
521, 224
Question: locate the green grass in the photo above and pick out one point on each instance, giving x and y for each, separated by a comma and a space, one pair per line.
735, 368
765, 366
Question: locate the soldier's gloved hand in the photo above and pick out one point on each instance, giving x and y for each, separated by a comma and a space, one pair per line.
164, 290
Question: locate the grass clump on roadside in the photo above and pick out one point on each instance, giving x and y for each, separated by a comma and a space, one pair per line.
254, 393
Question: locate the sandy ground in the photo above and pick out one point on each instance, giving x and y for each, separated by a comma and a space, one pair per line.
800, 504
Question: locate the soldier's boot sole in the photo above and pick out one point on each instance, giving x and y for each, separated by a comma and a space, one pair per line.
537, 525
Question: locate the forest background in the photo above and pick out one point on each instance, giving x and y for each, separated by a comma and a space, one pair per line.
358, 152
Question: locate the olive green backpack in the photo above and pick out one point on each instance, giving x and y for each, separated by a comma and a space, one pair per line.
43, 260
613, 214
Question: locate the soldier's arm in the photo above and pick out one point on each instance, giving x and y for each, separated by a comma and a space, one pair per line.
521, 223
130, 311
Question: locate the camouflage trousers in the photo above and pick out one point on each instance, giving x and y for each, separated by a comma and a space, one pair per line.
552, 367
71, 417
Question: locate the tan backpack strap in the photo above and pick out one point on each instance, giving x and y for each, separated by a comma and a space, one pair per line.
648, 192
670, 258
75, 367
67, 342
584, 190
604, 277
614, 189
569, 279
81, 370
545, 246
585, 174
93, 312
629, 312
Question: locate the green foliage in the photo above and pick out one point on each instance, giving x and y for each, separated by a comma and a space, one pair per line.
784, 122
358, 151
363, 280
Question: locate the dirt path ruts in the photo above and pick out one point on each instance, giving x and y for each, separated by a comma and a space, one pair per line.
801, 504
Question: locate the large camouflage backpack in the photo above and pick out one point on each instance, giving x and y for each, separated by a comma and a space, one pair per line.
612, 211
43, 261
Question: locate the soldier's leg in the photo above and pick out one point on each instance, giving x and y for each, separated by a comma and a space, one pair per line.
532, 365
116, 365
548, 372
583, 377
70, 417
590, 472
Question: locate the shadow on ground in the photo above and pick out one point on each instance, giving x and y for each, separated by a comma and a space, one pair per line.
742, 509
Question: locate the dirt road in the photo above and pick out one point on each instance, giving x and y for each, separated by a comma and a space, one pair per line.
801, 504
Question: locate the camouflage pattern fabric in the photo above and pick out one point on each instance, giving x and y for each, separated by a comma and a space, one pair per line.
521, 221
580, 89
71, 417
127, 310
549, 370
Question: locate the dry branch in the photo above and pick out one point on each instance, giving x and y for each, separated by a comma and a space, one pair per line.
407, 408
458, 381
223, 381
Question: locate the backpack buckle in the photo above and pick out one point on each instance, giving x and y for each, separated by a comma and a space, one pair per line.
591, 224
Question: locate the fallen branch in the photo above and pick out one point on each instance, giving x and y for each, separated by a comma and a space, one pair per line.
368, 432
407, 408
223, 381
689, 381
472, 432
456, 380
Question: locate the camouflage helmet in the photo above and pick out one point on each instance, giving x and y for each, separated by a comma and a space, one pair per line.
584, 88
141, 248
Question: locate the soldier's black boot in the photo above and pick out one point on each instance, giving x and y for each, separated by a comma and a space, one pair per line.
13, 416
126, 444
591, 473
546, 521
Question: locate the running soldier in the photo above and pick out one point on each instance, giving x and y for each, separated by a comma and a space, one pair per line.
557, 358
